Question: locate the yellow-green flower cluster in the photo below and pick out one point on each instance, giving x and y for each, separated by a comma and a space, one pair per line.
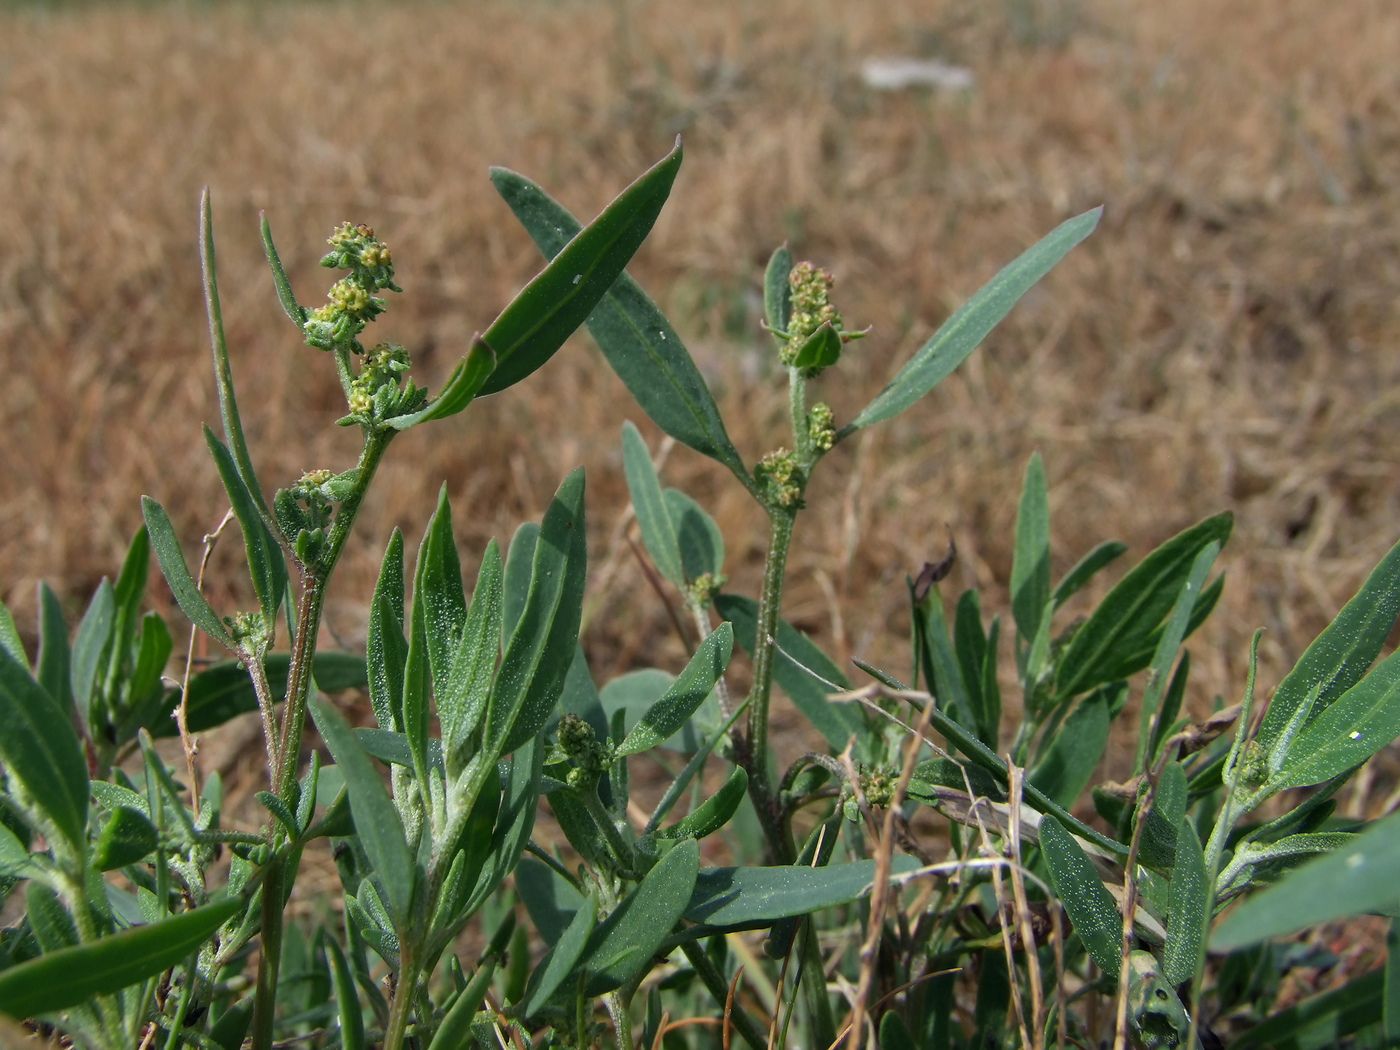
778, 474
703, 588
811, 307
821, 426
351, 303
380, 369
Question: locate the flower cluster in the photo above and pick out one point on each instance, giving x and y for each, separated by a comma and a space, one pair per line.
821, 426
378, 378
351, 303
811, 308
702, 590
777, 472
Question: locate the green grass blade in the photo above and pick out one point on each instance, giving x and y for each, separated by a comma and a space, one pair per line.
958, 336
564, 293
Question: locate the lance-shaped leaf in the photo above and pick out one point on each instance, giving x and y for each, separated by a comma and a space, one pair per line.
559, 961
653, 516
701, 542
1030, 567
541, 647
461, 388
377, 822
177, 574
749, 897
1358, 724
555, 303
461, 700
10, 640
438, 592
385, 647
514, 821
1084, 569
1340, 655
639, 343
687, 693
90, 644
627, 939
350, 1019
777, 295
41, 751
959, 335
266, 565
1089, 905
1075, 750
1123, 627
295, 313
70, 976
1188, 917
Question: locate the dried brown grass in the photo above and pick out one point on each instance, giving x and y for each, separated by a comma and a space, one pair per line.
1225, 340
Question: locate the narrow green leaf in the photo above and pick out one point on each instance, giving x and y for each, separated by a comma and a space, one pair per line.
1339, 656
90, 644
625, 942
1088, 904
639, 343
559, 961
653, 518
285, 296
514, 820
797, 659
1030, 566
1359, 723
126, 837
1078, 744
712, 814
266, 565
1188, 920
350, 1020
377, 822
540, 649
941, 668
437, 586
1125, 622
177, 574
958, 336
520, 560
461, 388
461, 701
385, 647
71, 976
9, 638
456, 1028
674, 709
231, 1028
1084, 569
278, 809
550, 900
754, 896
41, 751
777, 296
564, 293
701, 542
895, 1034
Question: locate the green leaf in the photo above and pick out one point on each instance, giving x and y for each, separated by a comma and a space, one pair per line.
625, 942
377, 822
1124, 623
461, 700
753, 896
1354, 727
1083, 571
53, 668
1322, 1021
674, 709
821, 349
639, 343
1362, 876
712, 814
177, 574
10, 639
127, 836
895, 1034
559, 961
797, 654
438, 586
653, 518
1189, 914
461, 388
266, 566
72, 976
285, 295
520, 560
958, 336
701, 542
1088, 904
1030, 566
41, 751
1074, 752
556, 302
777, 295
350, 1020
541, 647
549, 898
514, 821
456, 1028
385, 647
1339, 656
90, 644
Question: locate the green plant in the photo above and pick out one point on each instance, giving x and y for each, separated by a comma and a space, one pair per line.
131, 933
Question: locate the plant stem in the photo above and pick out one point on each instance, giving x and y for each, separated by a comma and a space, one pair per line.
402, 1006
270, 948
764, 651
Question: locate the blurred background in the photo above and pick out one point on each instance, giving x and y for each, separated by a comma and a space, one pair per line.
1226, 340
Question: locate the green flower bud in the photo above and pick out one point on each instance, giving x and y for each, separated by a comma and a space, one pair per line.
778, 474
821, 426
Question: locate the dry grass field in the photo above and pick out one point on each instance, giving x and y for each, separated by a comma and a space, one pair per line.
1226, 340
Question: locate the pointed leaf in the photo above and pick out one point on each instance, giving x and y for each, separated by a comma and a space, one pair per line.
41, 751
1030, 568
653, 518
438, 587
349, 1017
559, 961
520, 560
385, 648
285, 296
556, 302
177, 574
1085, 568
461, 702
1089, 905
701, 542
821, 349
639, 343
90, 644
461, 388
674, 709
71, 976
266, 565
961, 333
10, 640
755, 896
377, 822
1188, 920
1078, 744
777, 295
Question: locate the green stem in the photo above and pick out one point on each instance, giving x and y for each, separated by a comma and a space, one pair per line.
764, 652
402, 1007
270, 948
